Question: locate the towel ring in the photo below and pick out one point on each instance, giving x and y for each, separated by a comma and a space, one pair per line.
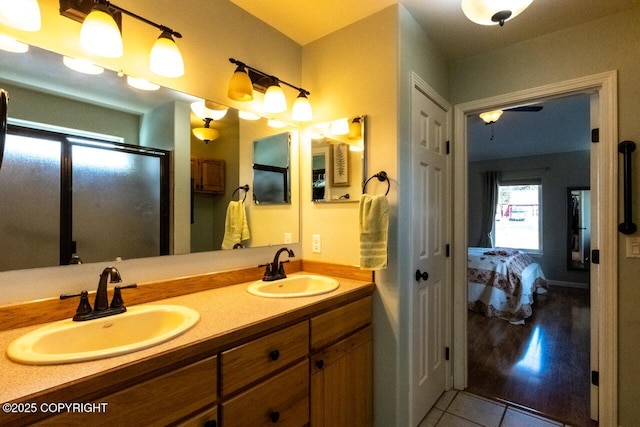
245, 188
382, 176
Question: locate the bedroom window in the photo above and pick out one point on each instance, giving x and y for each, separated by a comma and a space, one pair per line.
518, 217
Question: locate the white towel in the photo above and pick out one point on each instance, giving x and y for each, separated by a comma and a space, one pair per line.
235, 225
374, 229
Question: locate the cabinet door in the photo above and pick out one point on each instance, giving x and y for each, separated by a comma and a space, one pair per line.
213, 172
341, 383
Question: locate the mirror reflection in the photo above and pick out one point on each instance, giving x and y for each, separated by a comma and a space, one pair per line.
338, 153
271, 169
94, 125
579, 232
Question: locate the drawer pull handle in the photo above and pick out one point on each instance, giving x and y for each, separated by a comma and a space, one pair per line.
320, 364
210, 423
275, 416
274, 355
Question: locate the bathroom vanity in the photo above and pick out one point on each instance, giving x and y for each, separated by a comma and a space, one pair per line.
249, 361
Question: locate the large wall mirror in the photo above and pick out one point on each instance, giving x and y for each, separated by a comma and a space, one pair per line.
338, 156
578, 228
123, 161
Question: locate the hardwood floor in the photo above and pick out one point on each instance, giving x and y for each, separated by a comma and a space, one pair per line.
542, 365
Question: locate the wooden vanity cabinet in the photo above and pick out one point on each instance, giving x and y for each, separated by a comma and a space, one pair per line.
342, 367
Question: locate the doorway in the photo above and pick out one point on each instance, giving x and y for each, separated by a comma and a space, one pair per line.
603, 275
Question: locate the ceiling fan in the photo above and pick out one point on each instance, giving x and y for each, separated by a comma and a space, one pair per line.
490, 117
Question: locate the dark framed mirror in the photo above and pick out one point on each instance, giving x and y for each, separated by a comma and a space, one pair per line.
578, 228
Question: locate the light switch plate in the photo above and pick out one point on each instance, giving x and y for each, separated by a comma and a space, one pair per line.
287, 237
633, 247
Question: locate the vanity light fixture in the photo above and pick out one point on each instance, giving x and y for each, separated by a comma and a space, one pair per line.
355, 128
246, 79
22, 15
248, 115
9, 44
101, 34
493, 12
142, 84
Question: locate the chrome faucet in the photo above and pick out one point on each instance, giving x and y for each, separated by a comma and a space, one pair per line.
275, 270
101, 307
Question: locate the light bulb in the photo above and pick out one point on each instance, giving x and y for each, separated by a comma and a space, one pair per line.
301, 111
240, 86
274, 100
100, 34
165, 58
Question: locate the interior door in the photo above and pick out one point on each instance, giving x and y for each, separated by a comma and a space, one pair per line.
430, 285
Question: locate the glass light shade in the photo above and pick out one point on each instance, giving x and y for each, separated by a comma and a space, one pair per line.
240, 86
21, 14
248, 115
276, 123
9, 44
100, 34
481, 11
301, 111
83, 66
274, 100
142, 84
355, 128
165, 58
207, 109
206, 134
491, 116
340, 127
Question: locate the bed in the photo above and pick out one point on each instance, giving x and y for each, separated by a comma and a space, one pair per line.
502, 283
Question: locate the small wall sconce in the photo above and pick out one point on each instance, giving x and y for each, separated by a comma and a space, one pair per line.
101, 34
246, 79
493, 12
22, 15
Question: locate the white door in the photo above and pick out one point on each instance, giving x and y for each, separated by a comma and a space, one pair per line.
430, 287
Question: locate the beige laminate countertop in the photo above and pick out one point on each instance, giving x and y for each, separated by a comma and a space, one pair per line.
222, 311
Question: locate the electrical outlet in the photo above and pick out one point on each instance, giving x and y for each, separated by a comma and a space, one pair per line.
316, 244
287, 238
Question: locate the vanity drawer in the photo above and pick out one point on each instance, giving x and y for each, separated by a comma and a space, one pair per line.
282, 400
249, 362
158, 401
335, 324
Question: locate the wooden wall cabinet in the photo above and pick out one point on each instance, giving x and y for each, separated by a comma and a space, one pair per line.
208, 175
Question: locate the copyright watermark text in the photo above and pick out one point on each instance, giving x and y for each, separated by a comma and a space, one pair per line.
54, 407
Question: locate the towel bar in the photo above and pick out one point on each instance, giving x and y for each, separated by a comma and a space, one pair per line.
245, 188
382, 176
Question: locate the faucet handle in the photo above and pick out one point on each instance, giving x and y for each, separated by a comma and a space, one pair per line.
267, 271
117, 301
84, 307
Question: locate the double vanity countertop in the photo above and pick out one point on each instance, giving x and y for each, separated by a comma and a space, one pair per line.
227, 315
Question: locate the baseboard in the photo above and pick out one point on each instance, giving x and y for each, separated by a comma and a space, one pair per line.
568, 284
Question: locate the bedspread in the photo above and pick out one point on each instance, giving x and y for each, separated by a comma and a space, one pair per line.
502, 282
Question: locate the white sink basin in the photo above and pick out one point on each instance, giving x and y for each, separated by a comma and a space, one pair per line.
300, 285
67, 341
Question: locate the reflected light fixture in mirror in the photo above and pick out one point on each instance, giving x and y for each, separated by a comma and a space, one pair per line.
22, 15
208, 111
493, 12
142, 84
9, 44
83, 66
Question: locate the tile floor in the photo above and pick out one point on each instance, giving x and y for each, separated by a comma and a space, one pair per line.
462, 409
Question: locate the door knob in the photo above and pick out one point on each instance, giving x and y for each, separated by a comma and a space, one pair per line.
421, 275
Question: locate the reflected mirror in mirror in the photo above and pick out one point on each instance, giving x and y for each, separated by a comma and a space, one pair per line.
271, 169
578, 228
76, 114
338, 153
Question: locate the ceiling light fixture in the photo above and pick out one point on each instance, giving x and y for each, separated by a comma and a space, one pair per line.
493, 12
101, 34
246, 79
491, 116
22, 15
206, 133
209, 109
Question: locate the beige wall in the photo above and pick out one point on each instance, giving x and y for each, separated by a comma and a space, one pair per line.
611, 43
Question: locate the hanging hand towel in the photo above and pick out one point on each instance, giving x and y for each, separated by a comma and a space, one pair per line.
235, 225
374, 229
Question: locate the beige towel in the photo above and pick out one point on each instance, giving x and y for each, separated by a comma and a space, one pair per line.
374, 229
235, 225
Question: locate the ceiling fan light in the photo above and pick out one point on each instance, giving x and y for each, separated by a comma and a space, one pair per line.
165, 59
493, 12
240, 86
301, 111
274, 99
491, 116
100, 34
22, 15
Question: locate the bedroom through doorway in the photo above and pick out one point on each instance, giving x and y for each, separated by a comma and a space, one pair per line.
529, 320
